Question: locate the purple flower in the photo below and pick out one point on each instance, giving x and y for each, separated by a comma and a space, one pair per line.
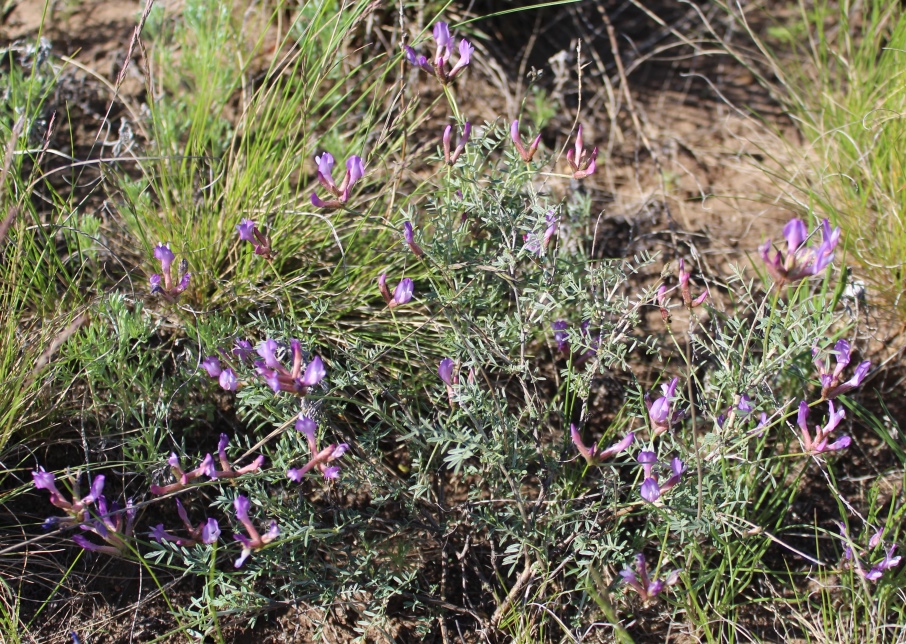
651, 492
168, 290
652, 489
561, 336
401, 295
211, 531
517, 141
582, 163
661, 411
243, 350
409, 236
831, 387
450, 158
355, 170
211, 364
254, 540
228, 380
594, 455
648, 460
445, 371
819, 443
745, 405
85, 544
319, 458
403, 292
248, 231
165, 256
325, 171
75, 509
801, 260
314, 372
639, 581
686, 292
888, 562
268, 351
440, 66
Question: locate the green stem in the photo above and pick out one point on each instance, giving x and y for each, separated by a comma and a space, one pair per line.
209, 588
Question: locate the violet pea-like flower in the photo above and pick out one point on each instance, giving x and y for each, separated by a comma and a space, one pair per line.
640, 582
888, 562
279, 378
402, 294
319, 458
112, 525
831, 385
163, 283
183, 478
77, 508
582, 163
652, 489
440, 65
819, 443
355, 170
661, 412
248, 231
409, 236
688, 301
254, 540
450, 158
561, 335
594, 454
206, 532
801, 261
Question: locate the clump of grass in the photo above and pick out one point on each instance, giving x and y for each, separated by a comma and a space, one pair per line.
838, 67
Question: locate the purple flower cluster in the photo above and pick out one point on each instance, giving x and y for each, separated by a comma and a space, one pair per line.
294, 380
652, 489
851, 556
319, 458
595, 455
355, 170
77, 508
642, 584
207, 468
819, 443
517, 141
561, 337
248, 231
440, 65
831, 387
254, 540
110, 523
206, 532
663, 412
112, 526
450, 158
225, 377
582, 163
162, 283
401, 294
801, 260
